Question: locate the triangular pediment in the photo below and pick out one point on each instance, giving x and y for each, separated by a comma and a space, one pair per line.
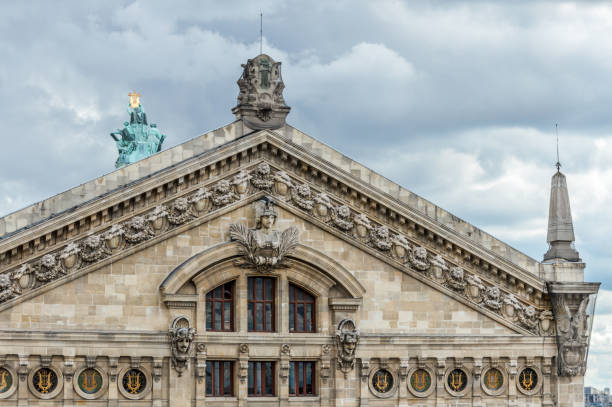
305, 178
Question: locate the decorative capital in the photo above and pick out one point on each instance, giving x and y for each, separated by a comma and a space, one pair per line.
260, 102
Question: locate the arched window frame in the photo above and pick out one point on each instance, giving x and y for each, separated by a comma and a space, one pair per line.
294, 304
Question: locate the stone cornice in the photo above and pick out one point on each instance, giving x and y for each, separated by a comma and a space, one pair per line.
312, 185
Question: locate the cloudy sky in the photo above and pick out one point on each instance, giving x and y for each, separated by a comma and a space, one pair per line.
455, 101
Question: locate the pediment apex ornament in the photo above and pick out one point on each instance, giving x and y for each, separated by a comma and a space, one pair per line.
573, 321
347, 337
264, 248
260, 102
181, 337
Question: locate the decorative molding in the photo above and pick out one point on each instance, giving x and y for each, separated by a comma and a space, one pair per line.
345, 304
154, 224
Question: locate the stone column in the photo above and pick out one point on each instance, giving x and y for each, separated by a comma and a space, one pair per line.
243, 372
476, 378
547, 400
113, 385
403, 384
326, 383
440, 390
22, 372
512, 391
200, 370
157, 383
68, 372
364, 393
283, 391
241, 317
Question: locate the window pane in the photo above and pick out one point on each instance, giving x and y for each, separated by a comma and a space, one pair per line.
259, 289
208, 316
258, 378
259, 317
227, 382
251, 378
228, 291
219, 292
269, 319
227, 314
209, 378
217, 316
300, 317
250, 312
269, 289
291, 318
217, 376
250, 289
299, 296
269, 378
309, 317
309, 368
301, 377
291, 293
292, 378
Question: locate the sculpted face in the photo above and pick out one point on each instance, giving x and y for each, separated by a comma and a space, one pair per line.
267, 221
348, 347
183, 340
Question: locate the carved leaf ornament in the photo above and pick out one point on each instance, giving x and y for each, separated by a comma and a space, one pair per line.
338, 215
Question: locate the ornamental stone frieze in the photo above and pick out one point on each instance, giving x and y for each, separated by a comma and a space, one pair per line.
265, 248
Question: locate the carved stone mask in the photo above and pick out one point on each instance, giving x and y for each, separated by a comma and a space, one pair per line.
183, 339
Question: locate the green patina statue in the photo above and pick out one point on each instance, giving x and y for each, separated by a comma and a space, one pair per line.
137, 140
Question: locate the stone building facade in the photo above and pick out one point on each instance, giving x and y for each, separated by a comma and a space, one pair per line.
256, 266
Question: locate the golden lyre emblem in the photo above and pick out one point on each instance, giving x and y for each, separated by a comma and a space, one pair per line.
457, 380
382, 381
45, 381
133, 381
90, 381
528, 379
5, 380
420, 380
134, 99
493, 379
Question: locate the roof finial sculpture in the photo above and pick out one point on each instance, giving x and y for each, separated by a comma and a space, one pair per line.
260, 102
560, 227
137, 140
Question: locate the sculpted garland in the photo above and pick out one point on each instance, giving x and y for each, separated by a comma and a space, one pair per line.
144, 227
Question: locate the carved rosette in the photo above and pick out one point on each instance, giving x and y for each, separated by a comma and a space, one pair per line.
347, 338
181, 336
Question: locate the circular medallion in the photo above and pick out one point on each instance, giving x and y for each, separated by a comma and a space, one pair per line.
134, 383
8, 382
420, 382
90, 382
528, 381
457, 382
493, 381
382, 383
45, 382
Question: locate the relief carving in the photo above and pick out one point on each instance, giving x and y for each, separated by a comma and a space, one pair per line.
418, 258
492, 298
362, 225
223, 194
528, 317
323, 205
572, 331
264, 248
347, 337
302, 197
456, 279
181, 337
48, 269
341, 218
138, 230
401, 247
93, 249
10, 282
379, 236
179, 212
262, 178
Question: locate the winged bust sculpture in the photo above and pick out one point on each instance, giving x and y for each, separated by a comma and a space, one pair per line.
264, 248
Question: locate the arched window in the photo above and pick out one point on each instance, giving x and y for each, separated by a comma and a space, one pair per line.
220, 308
301, 310
260, 299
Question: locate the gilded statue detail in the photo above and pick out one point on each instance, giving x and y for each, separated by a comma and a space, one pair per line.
264, 248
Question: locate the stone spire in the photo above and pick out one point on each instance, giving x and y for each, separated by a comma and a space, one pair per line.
260, 101
560, 229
